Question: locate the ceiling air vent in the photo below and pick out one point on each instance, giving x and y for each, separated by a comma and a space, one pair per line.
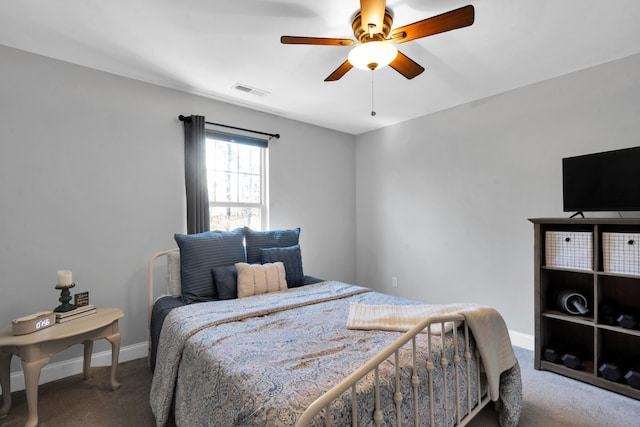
248, 89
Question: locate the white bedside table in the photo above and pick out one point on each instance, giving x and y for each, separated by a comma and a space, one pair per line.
34, 350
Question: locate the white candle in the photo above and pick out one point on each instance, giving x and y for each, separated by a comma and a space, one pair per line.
64, 277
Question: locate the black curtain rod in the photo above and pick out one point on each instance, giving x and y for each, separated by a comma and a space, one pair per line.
270, 135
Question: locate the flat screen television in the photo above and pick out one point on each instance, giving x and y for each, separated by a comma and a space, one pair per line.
608, 181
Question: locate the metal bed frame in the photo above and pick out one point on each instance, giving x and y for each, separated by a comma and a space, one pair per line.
350, 382
454, 323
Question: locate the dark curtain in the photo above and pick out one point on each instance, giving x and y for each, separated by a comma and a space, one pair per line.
195, 175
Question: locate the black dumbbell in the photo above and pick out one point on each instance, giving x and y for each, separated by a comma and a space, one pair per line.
628, 320
612, 371
632, 377
554, 353
607, 314
573, 358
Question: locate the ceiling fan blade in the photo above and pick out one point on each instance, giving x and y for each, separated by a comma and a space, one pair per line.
458, 18
316, 41
406, 66
339, 72
372, 12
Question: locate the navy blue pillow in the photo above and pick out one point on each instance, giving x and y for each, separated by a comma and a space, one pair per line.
201, 252
257, 240
226, 281
292, 260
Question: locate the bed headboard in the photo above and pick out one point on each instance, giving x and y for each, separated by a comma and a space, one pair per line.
173, 277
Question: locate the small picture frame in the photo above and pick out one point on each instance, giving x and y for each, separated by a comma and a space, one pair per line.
81, 299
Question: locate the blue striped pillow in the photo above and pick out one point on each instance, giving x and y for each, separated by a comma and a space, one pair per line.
292, 260
201, 252
258, 240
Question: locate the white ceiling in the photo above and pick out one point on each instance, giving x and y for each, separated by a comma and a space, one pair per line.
205, 47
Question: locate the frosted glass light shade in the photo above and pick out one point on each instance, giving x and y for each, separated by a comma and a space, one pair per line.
372, 55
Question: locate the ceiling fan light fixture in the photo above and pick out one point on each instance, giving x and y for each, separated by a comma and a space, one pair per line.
372, 55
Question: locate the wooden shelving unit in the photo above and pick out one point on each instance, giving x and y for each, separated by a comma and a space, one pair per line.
599, 342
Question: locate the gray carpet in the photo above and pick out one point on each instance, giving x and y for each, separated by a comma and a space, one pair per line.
73, 402
550, 400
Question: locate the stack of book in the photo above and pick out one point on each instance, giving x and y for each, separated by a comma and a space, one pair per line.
76, 313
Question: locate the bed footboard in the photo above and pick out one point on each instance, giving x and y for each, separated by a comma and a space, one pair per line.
475, 398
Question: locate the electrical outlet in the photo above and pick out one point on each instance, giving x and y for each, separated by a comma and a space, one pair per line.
394, 281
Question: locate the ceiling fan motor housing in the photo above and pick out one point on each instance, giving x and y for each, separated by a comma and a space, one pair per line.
379, 34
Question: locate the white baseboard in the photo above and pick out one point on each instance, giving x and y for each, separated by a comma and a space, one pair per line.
522, 340
66, 368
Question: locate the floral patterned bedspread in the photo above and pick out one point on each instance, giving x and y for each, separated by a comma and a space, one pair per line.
262, 360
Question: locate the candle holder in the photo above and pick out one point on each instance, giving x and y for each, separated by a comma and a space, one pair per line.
65, 297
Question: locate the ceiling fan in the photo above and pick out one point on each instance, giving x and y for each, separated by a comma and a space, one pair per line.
372, 29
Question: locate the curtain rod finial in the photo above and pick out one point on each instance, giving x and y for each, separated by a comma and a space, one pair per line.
184, 118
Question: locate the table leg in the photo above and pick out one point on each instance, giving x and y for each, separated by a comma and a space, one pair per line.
115, 354
86, 366
5, 382
31, 372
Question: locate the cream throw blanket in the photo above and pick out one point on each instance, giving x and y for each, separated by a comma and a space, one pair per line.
486, 324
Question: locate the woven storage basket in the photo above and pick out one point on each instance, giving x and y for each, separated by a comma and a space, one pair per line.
569, 249
621, 253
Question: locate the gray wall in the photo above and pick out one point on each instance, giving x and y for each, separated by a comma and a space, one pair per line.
443, 200
92, 180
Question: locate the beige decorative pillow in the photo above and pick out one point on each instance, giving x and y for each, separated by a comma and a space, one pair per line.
256, 279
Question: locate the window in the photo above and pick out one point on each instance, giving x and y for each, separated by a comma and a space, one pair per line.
236, 178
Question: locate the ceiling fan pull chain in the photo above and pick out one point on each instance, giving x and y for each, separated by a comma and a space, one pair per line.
373, 112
